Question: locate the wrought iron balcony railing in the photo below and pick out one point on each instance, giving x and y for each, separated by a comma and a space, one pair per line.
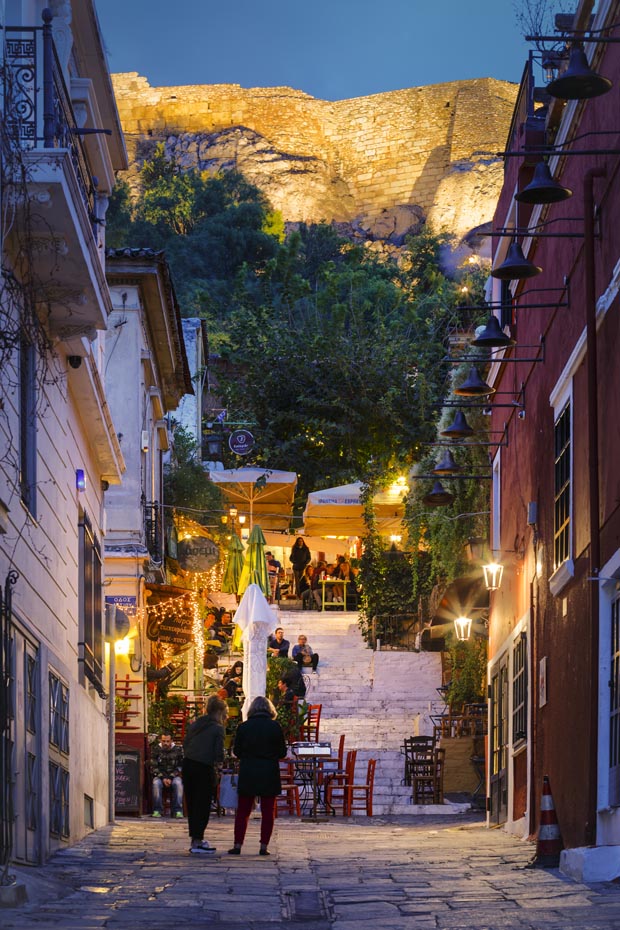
37, 109
153, 529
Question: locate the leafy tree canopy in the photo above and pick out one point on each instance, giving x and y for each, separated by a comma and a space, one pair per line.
336, 357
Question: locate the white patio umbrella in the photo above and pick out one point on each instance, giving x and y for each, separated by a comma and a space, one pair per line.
262, 493
257, 620
338, 511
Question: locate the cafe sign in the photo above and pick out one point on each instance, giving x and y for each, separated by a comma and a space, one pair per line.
175, 630
241, 441
197, 554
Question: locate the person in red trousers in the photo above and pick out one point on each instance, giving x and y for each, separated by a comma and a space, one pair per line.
259, 745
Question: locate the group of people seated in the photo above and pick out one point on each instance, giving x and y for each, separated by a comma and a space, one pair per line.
302, 653
310, 583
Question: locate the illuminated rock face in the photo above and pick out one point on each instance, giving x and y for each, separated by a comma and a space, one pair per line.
372, 162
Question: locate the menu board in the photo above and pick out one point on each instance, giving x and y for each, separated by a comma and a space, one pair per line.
128, 781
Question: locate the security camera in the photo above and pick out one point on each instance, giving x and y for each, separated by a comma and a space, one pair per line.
74, 360
521, 414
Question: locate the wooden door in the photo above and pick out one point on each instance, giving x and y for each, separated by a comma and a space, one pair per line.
499, 743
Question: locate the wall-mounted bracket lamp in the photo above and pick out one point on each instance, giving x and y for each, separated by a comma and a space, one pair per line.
510, 343
532, 232
497, 305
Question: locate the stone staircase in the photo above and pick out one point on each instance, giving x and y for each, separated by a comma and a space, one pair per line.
374, 698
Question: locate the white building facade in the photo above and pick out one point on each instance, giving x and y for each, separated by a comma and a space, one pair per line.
58, 445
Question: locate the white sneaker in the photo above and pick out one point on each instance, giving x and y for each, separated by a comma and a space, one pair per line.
202, 848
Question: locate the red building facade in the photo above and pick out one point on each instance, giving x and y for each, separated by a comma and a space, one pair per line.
554, 630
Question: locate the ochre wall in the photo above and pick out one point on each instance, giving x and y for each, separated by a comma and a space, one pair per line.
316, 159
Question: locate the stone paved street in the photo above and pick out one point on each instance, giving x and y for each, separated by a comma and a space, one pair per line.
399, 873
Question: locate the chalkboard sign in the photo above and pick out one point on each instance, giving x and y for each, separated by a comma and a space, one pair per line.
128, 781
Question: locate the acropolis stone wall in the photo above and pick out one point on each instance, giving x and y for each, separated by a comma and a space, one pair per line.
366, 159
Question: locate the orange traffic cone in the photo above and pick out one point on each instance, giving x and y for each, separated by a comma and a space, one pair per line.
549, 842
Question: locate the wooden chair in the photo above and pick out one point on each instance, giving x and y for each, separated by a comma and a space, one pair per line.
440, 759
359, 797
427, 777
412, 747
288, 801
341, 752
336, 783
310, 726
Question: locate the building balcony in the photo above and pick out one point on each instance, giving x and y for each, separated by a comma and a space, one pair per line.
58, 239
154, 530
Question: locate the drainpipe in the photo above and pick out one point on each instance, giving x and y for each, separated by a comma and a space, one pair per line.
593, 481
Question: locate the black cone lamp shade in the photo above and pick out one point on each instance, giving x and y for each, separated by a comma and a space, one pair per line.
516, 266
579, 81
543, 188
447, 465
492, 336
460, 428
438, 497
474, 386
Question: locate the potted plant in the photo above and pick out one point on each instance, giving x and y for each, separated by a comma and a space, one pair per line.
121, 709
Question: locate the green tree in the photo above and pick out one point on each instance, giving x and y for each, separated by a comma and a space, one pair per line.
185, 483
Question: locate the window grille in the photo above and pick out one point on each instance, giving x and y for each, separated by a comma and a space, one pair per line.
59, 713
59, 800
31, 693
91, 644
31, 792
519, 690
562, 488
614, 707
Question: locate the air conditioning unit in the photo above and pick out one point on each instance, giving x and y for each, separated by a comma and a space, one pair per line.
145, 440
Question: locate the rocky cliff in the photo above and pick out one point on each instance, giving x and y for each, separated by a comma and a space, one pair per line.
378, 164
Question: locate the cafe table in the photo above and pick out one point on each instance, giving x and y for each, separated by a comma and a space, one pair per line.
333, 581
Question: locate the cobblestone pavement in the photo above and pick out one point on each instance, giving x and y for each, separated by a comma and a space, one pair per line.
392, 874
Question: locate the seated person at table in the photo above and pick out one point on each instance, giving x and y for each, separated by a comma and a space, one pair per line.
224, 628
273, 570
305, 586
304, 655
277, 645
165, 766
212, 638
295, 681
315, 583
342, 570
233, 679
285, 693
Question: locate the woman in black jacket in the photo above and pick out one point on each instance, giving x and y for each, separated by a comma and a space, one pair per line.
259, 745
203, 752
299, 557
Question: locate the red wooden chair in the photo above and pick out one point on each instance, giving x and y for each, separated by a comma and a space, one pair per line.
310, 726
336, 783
359, 797
288, 802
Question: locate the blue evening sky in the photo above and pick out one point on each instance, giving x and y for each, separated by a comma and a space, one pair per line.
332, 49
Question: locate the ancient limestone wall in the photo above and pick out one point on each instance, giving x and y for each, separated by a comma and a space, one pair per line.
348, 160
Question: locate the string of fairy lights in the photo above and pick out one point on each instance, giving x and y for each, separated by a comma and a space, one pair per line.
191, 604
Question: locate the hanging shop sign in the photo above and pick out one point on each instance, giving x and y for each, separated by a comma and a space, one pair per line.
176, 630
241, 441
197, 554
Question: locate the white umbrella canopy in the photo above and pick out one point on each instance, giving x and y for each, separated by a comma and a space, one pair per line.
257, 620
339, 512
265, 495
